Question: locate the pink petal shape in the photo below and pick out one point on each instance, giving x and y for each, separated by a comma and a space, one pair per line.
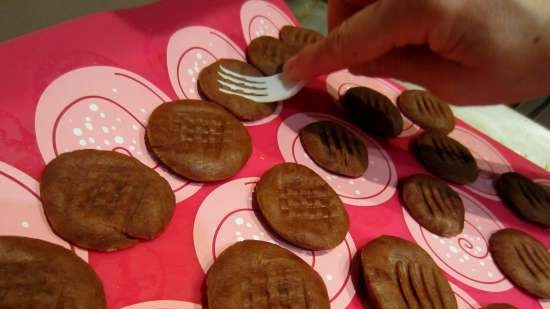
466, 257
260, 18
340, 82
190, 50
103, 108
373, 188
489, 160
164, 304
464, 300
226, 216
21, 209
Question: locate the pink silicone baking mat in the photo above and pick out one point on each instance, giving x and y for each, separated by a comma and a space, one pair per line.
92, 82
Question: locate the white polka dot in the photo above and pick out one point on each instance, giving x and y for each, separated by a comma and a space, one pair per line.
204, 62
256, 237
191, 90
479, 227
370, 162
88, 119
461, 260
466, 257
240, 238
448, 255
25, 224
248, 225
105, 129
357, 192
362, 179
132, 148
329, 177
338, 186
77, 131
474, 270
107, 142
238, 233
118, 119
134, 127
113, 128
190, 72
94, 107
210, 44
196, 68
375, 178
115, 90
82, 142
119, 139
239, 221
478, 249
351, 182
262, 21
490, 274
89, 126
139, 153
143, 110
453, 249
329, 277
199, 56
98, 147
478, 239
134, 141
442, 241
102, 115
257, 33
482, 263
91, 140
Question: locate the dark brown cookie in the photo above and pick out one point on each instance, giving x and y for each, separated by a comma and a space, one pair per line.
258, 274
445, 157
104, 200
527, 199
426, 110
335, 148
400, 275
433, 204
523, 260
198, 140
372, 111
244, 109
499, 306
299, 37
269, 54
38, 274
301, 207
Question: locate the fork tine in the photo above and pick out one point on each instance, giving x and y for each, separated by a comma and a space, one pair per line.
234, 87
251, 79
254, 97
242, 83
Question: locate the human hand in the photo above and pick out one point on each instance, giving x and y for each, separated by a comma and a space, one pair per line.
466, 52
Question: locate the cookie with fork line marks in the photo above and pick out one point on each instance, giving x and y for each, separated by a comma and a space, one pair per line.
499, 306
198, 140
299, 37
335, 148
242, 108
529, 200
523, 259
445, 157
258, 274
269, 54
433, 204
426, 110
400, 275
105, 200
301, 207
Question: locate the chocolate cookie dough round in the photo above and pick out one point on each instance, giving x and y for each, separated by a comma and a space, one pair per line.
198, 140
400, 275
258, 274
269, 54
528, 200
372, 111
426, 110
445, 157
299, 37
433, 204
242, 108
523, 260
38, 274
104, 200
301, 207
335, 148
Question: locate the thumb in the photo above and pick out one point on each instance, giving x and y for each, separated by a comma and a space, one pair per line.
370, 33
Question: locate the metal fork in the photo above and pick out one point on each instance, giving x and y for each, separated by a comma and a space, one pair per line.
259, 89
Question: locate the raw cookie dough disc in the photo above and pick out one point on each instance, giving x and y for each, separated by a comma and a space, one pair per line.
426, 110
522, 259
104, 200
400, 275
445, 157
301, 207
258, 274
335, 148
38, 274
527, 199
433, 204
372, 111
198, 140
244, 109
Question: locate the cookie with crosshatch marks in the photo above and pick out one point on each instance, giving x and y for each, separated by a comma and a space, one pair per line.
426, 110
335, 148
528, 200
301, 207
399, 275
433, 204
242, 108
259, 274
198, 140
38, 274
299, 37
445, 157
269, 54
372, 111
499, 306
104, 200
523, 259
